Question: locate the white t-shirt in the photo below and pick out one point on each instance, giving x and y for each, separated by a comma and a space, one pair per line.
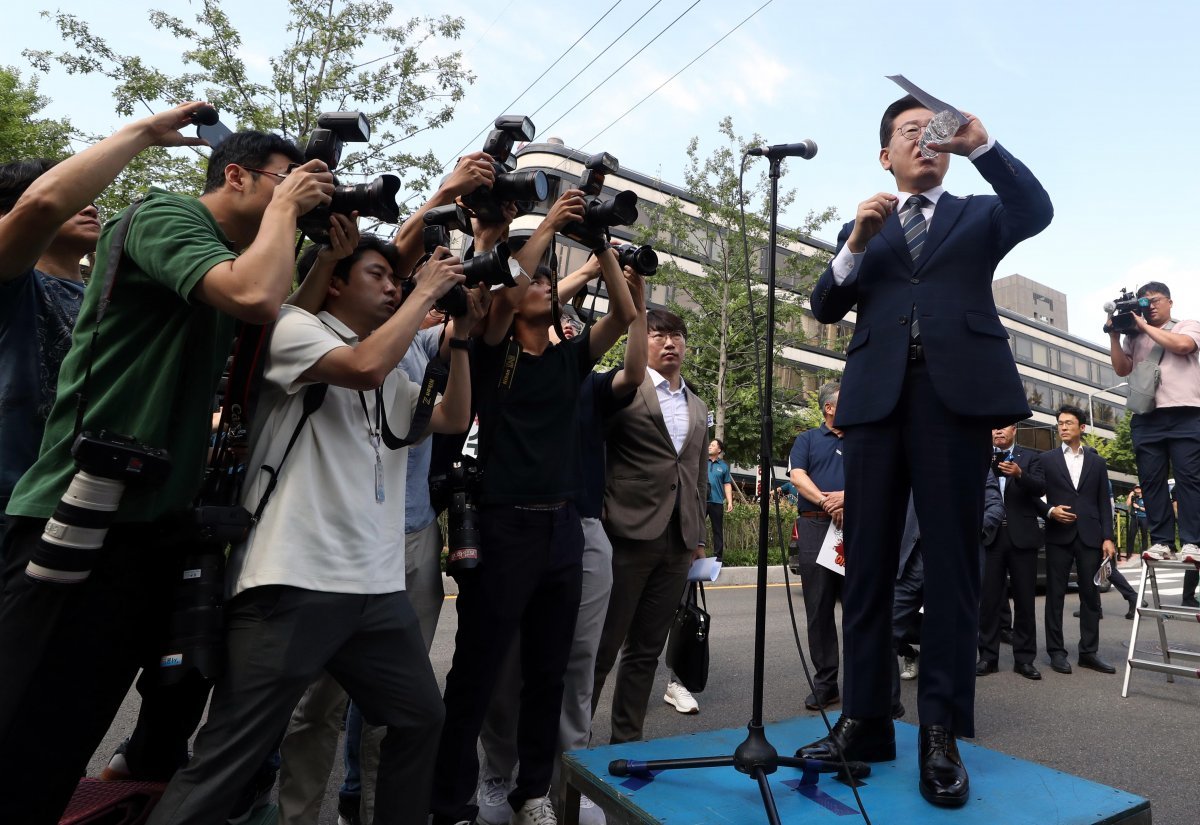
323, 528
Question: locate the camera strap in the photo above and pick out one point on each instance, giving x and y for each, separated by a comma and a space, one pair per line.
433, 383
314, 397
116, 250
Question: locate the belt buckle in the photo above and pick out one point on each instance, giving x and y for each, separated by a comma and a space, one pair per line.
916, 352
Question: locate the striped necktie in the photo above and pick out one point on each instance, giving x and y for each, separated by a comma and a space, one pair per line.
915, 229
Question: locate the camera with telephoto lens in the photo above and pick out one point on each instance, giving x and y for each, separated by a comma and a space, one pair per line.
105, 464
524, 188
455, 491
496, 267
376, 199
599, 215
197, 640
641, 259
1123, 310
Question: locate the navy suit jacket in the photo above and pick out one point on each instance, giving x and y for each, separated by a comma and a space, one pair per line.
1090, 502
1021, 497
966, 347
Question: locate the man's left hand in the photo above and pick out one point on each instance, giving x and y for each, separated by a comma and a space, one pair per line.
163, 128
698, 553
1110, 549
1010, 468
969, 137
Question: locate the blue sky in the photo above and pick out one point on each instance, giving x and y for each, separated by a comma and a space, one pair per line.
1097, 98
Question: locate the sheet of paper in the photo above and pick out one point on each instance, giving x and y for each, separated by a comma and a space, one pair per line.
704, 570
927, 100
832, 554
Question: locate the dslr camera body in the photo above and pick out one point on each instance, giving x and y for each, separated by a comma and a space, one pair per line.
496, 267
523, 188
1123, 310
376, 199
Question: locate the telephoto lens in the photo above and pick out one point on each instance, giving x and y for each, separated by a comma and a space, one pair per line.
197, 643
641, 259
495, 267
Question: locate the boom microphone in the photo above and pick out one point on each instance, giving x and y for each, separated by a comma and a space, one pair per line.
804, 149
1110, 307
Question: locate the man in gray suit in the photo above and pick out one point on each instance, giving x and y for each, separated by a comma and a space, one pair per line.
656, 485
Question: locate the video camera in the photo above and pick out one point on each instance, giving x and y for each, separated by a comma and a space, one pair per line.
376, 199
1123, 310
599, 215
525, 188
494, 267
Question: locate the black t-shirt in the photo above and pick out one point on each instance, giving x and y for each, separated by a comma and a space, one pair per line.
528, 430
596, 403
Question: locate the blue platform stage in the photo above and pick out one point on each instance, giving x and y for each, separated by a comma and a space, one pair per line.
1004, 790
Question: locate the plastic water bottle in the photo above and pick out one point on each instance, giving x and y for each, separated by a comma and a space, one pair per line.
943, 127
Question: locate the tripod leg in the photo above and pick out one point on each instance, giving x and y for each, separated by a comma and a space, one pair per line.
858, 770
637, 767
764, 787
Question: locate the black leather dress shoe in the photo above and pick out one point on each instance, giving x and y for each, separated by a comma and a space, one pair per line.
1027, 670
1059, 664
983, 667
814, 702
856, 740
1094, 662
1129, 614
943, 778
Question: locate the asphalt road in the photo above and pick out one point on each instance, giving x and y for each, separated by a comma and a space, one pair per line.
1147, 744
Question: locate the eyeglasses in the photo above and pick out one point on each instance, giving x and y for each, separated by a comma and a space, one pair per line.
291, 167
911, 131
1155, 301
659, 337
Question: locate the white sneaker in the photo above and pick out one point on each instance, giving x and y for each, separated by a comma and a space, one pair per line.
1162, 552
537, 811
682, 700
1190, 552
910, 669
589, 813
493, 801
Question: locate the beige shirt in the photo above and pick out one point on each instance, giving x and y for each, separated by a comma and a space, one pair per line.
1180, 384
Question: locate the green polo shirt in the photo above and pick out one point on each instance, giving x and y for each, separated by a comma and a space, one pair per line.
157, 363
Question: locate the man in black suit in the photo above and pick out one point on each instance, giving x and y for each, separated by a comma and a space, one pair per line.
1012, 556
928, 374
1079, 529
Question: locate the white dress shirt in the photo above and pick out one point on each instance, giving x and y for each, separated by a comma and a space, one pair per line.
674, 407
1074, 462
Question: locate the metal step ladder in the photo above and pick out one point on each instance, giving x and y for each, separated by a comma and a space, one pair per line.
1175, 661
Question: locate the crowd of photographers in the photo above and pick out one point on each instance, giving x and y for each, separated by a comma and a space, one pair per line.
278, 546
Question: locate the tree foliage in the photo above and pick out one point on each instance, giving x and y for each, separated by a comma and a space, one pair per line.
1117, 452
22, 133
726, 325
336, 55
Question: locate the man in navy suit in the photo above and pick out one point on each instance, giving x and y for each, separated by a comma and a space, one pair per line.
928, 374
1012, 555
1079, 530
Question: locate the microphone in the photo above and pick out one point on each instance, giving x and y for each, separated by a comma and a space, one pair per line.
1109, 306
804, 149
205, 116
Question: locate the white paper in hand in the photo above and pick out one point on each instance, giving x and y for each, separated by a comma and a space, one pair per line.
832, 554
704, 570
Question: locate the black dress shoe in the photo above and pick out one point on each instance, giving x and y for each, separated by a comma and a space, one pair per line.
855, 740
1027, 670
1059, 664
943, 778
1129, 614
812, 702
1093, 662
1006, 635
983, 667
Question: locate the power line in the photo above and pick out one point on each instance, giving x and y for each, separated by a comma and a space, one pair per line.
626, 63
622, 116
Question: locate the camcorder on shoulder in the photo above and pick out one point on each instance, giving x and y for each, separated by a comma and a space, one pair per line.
495, 267
523, 188
376, 199
1123, 310
599, 215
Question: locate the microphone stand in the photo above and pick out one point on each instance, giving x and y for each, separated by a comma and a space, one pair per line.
755, 756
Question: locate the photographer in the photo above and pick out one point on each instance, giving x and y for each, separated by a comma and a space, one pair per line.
528, 578
1166, 440
325, 562
180, 287
48, 223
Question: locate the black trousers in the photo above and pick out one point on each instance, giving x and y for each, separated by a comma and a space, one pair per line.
906, 615
716, 514
1166, 442
942, 457
1004, 563
822, 588
68, 655
529, 582
1059, 558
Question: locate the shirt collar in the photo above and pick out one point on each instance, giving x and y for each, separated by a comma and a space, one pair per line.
1066, 448
932, 194
657, 379
341, 330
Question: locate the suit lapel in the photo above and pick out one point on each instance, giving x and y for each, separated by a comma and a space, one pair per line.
947, 212
693, 405
650, 397
894, 236
1083, 471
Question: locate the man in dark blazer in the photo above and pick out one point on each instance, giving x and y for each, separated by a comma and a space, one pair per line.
928, 374
1011, 555
1079, 530
656, 483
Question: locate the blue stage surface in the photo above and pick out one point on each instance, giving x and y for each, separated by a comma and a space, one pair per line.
1004, 790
